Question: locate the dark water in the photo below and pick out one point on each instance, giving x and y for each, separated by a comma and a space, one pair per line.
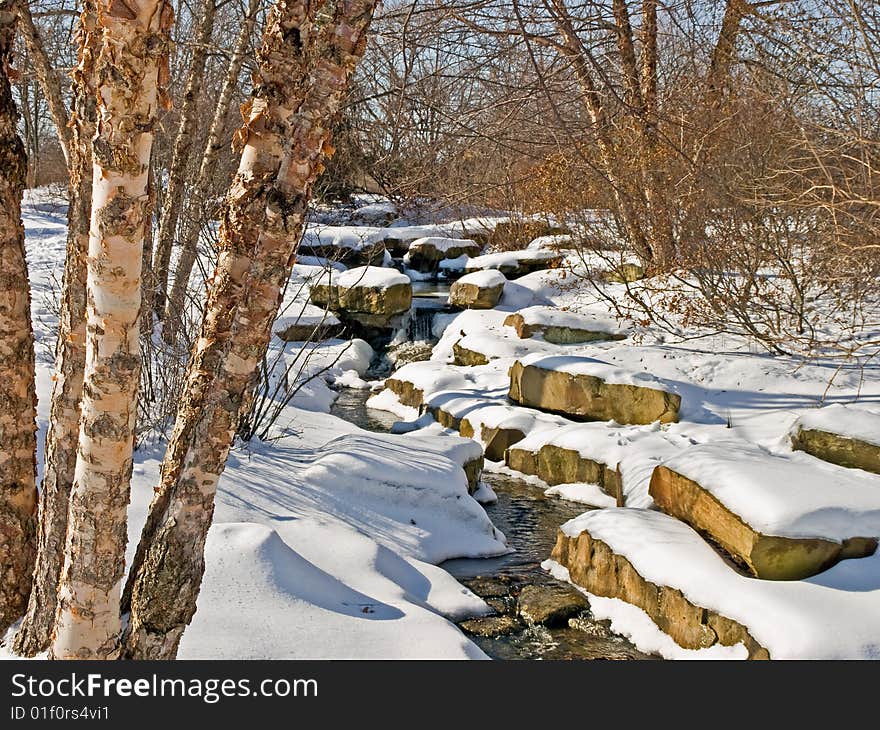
530, 521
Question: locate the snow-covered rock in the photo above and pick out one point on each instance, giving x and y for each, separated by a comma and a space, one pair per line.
425, 254
374, 291
563, 327
479, 290
840, 434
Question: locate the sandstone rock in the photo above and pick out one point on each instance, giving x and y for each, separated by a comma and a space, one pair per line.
370, 296
550, 605
491, 626
425, 254
579, 387
407, 393
479, 290
513, 264
771, 557
561, 327
594, 566
473, 470
837, 449
311, 324
495, 439
556, 465
465, 356
365, 254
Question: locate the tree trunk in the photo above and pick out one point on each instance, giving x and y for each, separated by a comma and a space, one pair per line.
48, 78
197, 200
70, 356
18, 400
186, 128
305, 67
130, 67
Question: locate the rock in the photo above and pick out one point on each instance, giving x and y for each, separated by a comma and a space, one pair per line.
561, 327
489, 586
365, 254
491, 626
495, 439
594, 566
425, 254
473, 470
512, 264
375, 293
625, 273
513, 233
576, 387
767, 556
311, 324
407, 352
550, 605
464, 356
837, 448
479, 290
407, 393
556, 465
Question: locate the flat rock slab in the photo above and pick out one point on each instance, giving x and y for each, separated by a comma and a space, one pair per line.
562, 327
841, 435
425, 254
557, 465
551, 604
782, 518
595, 552
590, 389
369, 290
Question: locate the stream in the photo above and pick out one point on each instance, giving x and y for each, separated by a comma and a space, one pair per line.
529, 520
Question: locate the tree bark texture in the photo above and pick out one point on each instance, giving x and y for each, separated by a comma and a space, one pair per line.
130, 68
70, 356
305, 65
174, 192
18, 489
197, 199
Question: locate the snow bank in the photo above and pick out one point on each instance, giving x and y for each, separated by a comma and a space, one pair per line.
794, 496
834, 615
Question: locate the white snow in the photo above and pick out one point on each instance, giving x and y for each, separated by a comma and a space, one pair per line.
556, 317
577, 365
372, 277
789, 496
830, 616
484, 279
847, 421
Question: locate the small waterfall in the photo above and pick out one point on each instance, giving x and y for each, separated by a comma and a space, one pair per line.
419, 327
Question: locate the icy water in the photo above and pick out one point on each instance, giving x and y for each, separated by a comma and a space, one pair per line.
530, 521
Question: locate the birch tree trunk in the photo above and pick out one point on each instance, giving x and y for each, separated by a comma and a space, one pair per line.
18, 489
130, 67
70, 356
197, 200
305, 67
174, 193
47, 77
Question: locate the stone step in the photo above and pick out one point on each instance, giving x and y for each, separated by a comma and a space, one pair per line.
585, 388
562, 327
604, 568
841, 435
782, 518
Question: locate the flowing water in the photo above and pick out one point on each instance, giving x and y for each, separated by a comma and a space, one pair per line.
529, 520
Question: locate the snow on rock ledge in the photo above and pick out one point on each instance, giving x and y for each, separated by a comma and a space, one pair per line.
369, 290
425, 254
562, 327
587, 388
785, 518
479, 290
840, 434
663, 567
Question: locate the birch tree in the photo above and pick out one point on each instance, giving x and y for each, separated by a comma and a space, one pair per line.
308, 53
70, 354
18, 492
130, 70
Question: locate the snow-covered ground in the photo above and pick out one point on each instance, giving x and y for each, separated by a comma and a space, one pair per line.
325, 542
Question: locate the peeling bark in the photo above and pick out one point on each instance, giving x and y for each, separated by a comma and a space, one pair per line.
18, 400
70, 356
130, 69
174, 192
305, 67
